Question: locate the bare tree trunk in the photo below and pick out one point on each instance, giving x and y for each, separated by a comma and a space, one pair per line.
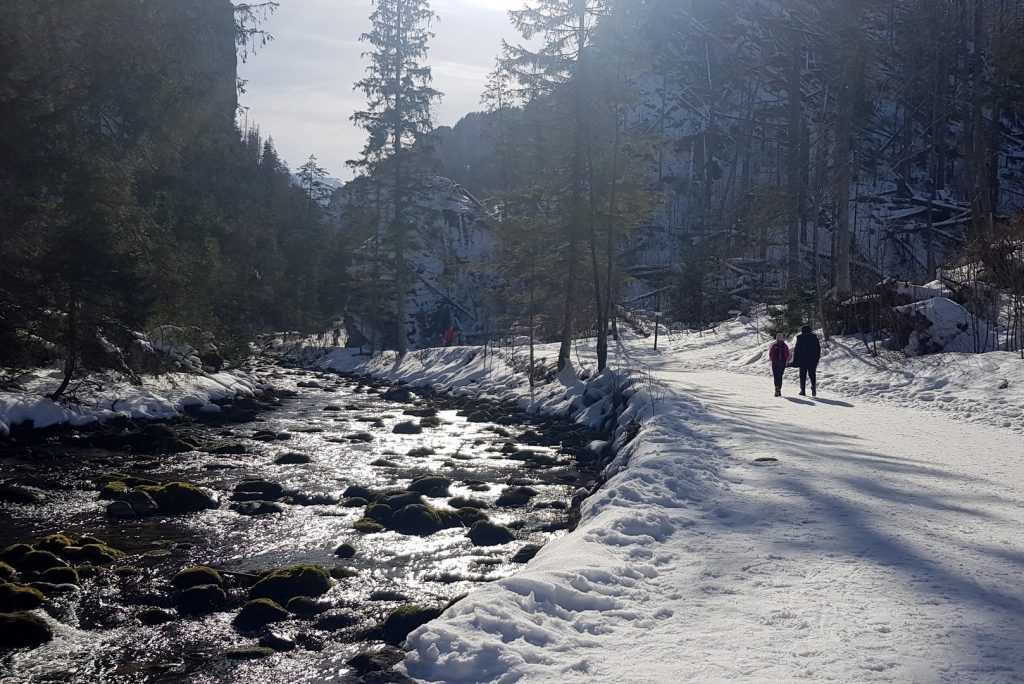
398, 195
70, 348
793, 171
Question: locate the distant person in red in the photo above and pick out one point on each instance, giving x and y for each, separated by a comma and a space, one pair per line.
779, 356
449, 337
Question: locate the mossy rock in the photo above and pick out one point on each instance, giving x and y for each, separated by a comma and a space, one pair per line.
89, 539
379, 512
51, 589
420, 452
404, 620
248, 652
257, 614
486, 533
14, 553
431, 422
19, 597
54, 542
38, 561
307, 607
180, 497
516, 496
7, 572
430, 485
195, 576
127, 571
469, 515
407, 427
19, 495
421, 412
478, 417
415, 519
23, 630
202, 599
345, 551
130, 481
97, 554
299, 580
343, 572
367, 526
60, 576
359, 491
114, 489
354, 502
399, 498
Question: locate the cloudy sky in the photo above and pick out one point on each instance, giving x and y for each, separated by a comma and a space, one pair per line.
300, 86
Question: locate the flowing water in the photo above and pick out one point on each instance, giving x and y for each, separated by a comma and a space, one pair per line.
346, 427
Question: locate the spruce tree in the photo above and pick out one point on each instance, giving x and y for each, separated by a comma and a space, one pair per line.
397, 117
566, 28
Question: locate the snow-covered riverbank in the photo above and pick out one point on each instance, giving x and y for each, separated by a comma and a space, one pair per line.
159, 398
882, 544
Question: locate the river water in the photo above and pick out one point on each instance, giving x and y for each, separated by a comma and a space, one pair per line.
346, 427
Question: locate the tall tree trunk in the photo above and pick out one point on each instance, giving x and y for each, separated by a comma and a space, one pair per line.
70, 347
398, 194
576, 171
844, 134
794, 174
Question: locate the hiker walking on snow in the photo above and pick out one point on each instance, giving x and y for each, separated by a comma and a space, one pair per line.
806, 355
779, 356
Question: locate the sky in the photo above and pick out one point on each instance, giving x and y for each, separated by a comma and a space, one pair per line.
300, 86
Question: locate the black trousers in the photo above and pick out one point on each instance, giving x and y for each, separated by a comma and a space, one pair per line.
811, 371
777, 371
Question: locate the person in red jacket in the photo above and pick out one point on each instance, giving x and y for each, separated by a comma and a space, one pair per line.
779, 355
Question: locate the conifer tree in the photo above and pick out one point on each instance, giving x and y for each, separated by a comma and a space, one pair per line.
566, 28
398, 115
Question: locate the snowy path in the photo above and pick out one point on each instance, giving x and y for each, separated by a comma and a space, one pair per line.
886, 545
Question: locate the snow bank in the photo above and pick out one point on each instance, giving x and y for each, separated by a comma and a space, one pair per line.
162, 398
856, 558
942, 325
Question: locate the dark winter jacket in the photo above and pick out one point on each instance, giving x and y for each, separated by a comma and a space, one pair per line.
779, 354
807, 351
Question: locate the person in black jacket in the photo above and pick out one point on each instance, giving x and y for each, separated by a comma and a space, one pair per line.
806, 355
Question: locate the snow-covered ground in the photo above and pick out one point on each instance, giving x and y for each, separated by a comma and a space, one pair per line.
883, 545
160, 397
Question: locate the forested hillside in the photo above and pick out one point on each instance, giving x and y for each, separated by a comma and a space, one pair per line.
767, 151
130, 199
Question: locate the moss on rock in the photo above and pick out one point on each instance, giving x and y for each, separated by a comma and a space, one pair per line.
202, 599
180, 497
430, 485
7, 572
304, 579
405, 619
96, 554
13, 553
38, 561
60, 576
23, 630
367, 526
195, 576
259, 613
416, 519
19, 597
54, 543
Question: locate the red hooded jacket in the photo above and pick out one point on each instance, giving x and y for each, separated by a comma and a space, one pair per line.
779, 354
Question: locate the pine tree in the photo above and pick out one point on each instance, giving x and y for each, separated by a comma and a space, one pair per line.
397, 117
566, 28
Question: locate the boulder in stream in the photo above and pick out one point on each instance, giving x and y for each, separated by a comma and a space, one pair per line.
304, 579
516, 496
23, 630
407, 427
202, 599
431, 485
404, 620
252, 490
415, 519
195, 576
38, 561
485, 533
292, 458
259, 613
257, 507
180, 497
19, 597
